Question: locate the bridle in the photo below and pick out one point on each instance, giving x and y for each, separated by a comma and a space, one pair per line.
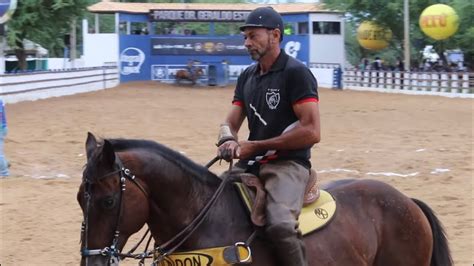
110, 251
160, 252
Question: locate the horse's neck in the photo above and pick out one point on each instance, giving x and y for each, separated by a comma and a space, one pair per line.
226, 224
172, 212
177, 197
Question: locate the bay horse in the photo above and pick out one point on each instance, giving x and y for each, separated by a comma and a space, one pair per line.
129, 183
184, 74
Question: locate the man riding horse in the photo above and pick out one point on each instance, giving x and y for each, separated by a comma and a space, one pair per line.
191, 68
191, 73
279, 98
129, 183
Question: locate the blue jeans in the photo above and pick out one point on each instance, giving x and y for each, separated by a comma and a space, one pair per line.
3, 160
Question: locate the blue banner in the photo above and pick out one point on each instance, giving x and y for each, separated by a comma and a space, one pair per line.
140, 61
134, 57
197, 46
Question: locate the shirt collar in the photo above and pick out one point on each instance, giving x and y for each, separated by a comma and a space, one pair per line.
279, 63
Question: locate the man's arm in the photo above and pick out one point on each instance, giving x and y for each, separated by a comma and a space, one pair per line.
235, 118
305, 134
228, 146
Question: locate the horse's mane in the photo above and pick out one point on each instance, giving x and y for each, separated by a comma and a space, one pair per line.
170, 155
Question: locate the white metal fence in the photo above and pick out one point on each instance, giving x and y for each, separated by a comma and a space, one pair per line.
456, 84
39, 85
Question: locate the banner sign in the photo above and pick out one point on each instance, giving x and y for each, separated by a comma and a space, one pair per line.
131, 61
7, 7
197, 46
198, 15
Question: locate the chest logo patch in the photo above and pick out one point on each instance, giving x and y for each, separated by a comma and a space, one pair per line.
273, 99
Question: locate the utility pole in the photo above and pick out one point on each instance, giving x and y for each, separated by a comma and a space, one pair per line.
406, 31
3, 45
72, 42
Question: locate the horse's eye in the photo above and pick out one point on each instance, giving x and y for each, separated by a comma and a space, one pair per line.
108, 203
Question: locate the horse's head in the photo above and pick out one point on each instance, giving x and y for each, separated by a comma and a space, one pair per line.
199, 72
115, 204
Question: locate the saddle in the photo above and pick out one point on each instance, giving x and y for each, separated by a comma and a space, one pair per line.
318, 209
255, 191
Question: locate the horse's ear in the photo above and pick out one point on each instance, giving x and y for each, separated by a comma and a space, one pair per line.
108, 153
91, 144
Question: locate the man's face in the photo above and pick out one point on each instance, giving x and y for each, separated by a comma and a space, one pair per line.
259, 41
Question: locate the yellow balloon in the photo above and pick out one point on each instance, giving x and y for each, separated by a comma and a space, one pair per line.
439, 21
372, 36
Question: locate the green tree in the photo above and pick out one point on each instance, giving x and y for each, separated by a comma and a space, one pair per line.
44, 22
465, 36
183, 1
390, 14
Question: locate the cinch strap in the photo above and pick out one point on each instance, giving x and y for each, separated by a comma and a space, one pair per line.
239, 253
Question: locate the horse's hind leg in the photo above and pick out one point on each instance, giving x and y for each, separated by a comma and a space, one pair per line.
409, 241
441, 255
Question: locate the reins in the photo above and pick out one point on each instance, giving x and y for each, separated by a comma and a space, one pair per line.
162, 251
169, 247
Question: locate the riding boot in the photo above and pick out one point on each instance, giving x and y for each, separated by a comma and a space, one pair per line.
288, 245
290, 252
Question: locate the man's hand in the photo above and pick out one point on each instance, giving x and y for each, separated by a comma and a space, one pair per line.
229, 150
246, 149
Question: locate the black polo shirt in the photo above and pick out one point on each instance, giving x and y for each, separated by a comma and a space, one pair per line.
268, 102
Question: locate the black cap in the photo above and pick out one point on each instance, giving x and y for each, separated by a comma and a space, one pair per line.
264, 17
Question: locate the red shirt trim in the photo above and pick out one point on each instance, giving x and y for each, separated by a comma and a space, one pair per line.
238, 103
306, 100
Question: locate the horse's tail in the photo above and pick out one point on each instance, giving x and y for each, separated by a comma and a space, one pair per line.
441, 256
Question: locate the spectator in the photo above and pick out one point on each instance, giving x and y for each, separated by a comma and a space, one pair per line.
377, 64
364, 64
3, 132
176, 31
400, 65
427, 65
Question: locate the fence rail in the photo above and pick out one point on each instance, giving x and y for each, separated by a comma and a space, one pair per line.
430, 82
324, 65
45, 84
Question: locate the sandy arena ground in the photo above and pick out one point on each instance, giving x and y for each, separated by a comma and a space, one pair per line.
423, 145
